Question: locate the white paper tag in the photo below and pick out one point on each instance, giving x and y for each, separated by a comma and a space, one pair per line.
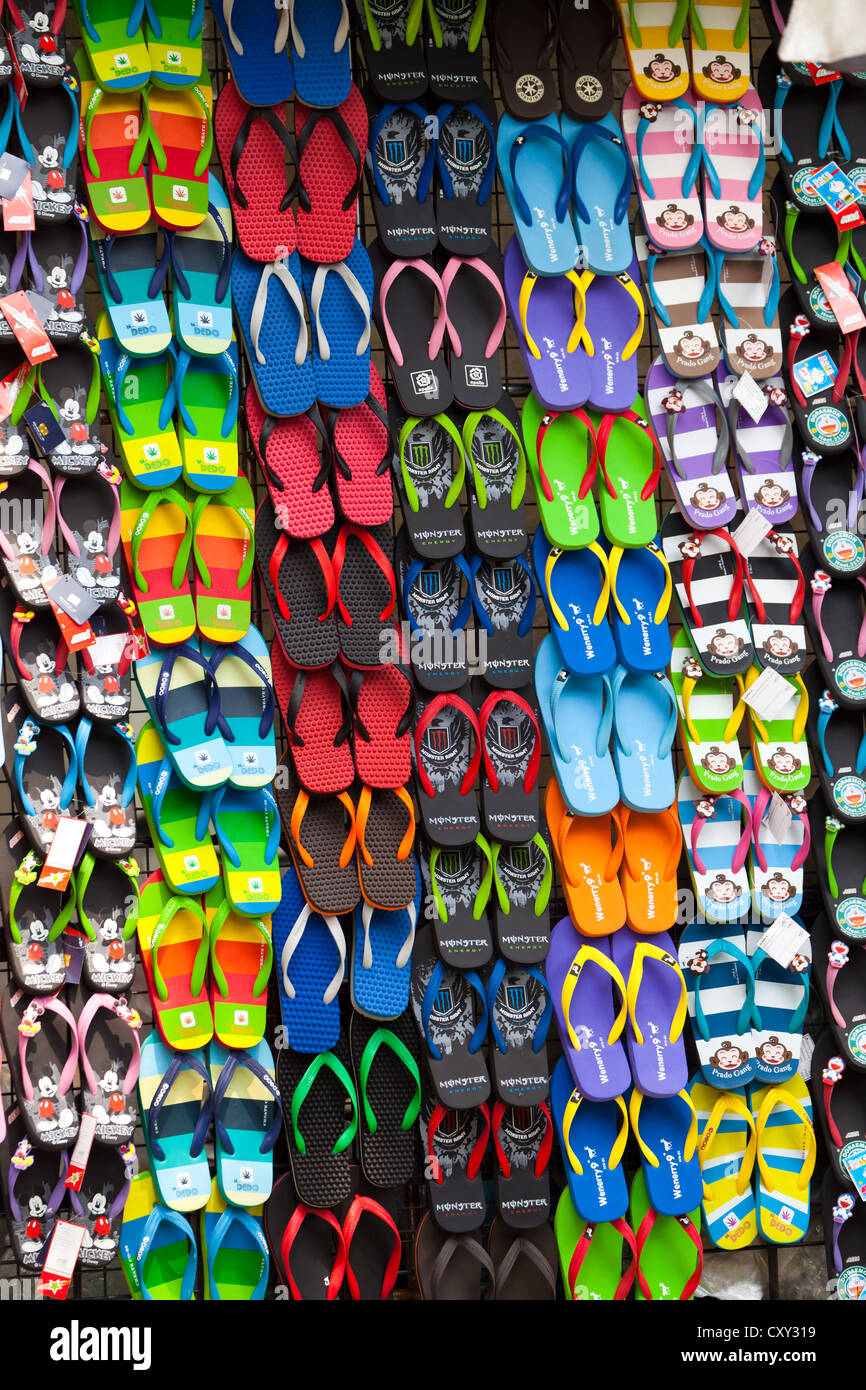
751, 531
81, 1152
807, 1048
750, 396
783, 940
778, 818
768, 694
60, 1259
108, 649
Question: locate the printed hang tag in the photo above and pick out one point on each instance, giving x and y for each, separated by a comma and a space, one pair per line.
768, 694
18, 313
19, 214
815, 374
778, 818
64, 852
751, 531
43, 428
807, 1048
853, 1160
783, 940
55, 1277
81, 1153
751, 397
76, 635
75, 601
819, 74
838, 194
12, 172
841, 297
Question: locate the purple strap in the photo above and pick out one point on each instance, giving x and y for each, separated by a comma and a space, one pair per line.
183, 1062
249, 1063
57, 1196
79, 269
267, 719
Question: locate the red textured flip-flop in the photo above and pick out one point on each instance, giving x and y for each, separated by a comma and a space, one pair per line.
317, 717
287, 448
366, 594
384, 703
253, 142
331, 147
361, 448
301, 589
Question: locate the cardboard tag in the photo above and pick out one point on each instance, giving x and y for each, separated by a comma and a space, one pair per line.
838, 194
75, 601
783, 940
751, 397
18, 313
64, 853
768, 694
9, 387
815, 374
61, 1257
778, 818
807, 1049
19, 214
12, 171
76, 635
81, 1152
108, 649
44, 429
751, 531
841, 297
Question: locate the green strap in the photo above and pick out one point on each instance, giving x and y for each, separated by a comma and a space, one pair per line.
384, 1036
203, 501
475, 29
740, 32
483, 895
457, 486
831, 830
413, 24
678, 23
138, 150
543, 896
145, 516
207, 148
149, 131
91, 408
216, 926
470, 425
166, 917
302, 1090
27, 873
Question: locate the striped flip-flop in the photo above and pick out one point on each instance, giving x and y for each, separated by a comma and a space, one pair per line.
748, 295
679, 286
786, 1159
721, 62
717, 832
733, 162
709, 574
775, 603
779, 1009
781, 753
691, 424
652, 34
661, 138
720, 989
763, 449
709, 720
726, 1152
776, 866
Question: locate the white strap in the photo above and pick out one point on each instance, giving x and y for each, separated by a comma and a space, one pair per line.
405, 951
358, 293
228, 8
339, 37
287, 279
282, 36
293, 941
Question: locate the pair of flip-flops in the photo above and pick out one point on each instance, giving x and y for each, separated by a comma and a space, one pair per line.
149, 44
301, 52
524, 44
405, 56
718, 64
516, 1265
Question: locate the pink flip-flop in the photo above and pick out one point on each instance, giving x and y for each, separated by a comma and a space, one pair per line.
733, 159
662, 141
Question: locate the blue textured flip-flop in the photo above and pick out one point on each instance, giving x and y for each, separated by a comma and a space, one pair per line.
600, 170
575, 587
275, 333
247, 1118
640, 593
577, 715
309, 955
340, 297
592, 1137
535, 169
644, 727
320, 51
382, 957
256, 42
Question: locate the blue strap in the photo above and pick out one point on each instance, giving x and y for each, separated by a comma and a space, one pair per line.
119, 376
830, 122
224, 275
728, 948
241, 1217
525, 625
158, 1217
497, 975
756, 180
222, 361
82, 738
70, 151
486, 185
171, 401
691, 170
266, 801
67, 790
463, 612
163, 686
594, 131
709, 292
796, 1020
771, 307
102, 253
195, 23
183, 1061
433, 986
783, 87
161, 786
530, 134
249, 1063
426, 174
860, 765
666, 737
267, 720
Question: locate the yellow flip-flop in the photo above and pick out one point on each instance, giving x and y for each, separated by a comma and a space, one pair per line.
726, 1152
652, 33
786, 1159
721, 61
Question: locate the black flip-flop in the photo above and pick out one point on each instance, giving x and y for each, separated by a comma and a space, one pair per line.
801, 113
12, 261
522, 880
70, 383
821, 483
38, 656
835, 617
453, 49
850, 121
523, 43
107, 775
519, 1006
374, 1246
429, 467
475, 303
27, 551
774, 602
806, 240
413, 330
385, 822
88, 514
436, 598
457, 892
454, 1144
389, 1095
108, 1031
97, 1204
522, 1139
447, 755
837, 735
510, 754
41, 767
104, 681
588, 36
524, 1262
107, 902
37, 37
496, 480
393, 53
34, 1182
840, 847
704, 577
450, 1009
57, 256
48, 135
321, 845
839, 1097
840, 971
306, 1245
319, 1087
43, 1070
298, 581
366, 594
14, 441
504, 597
844, 1219
400, 165
34, 918
450, 1268
465, 173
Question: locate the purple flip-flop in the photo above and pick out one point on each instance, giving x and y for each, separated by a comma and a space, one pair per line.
763, 450
614, 323
599, 1066
692, 428
658, 1062
559, 375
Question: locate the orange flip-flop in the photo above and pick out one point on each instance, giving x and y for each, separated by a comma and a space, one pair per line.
651, 853
589, 851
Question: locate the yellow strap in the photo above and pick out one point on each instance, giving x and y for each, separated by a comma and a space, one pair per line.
646, 950
600, 607
733, 725
726, 1101
614, 1158
577, 332
634, 1105
584, 955
780, 1095
664, 603
631, 346
526, 289
688, 686
802, 709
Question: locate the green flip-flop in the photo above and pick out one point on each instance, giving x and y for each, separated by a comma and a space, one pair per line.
710, 713
562, 457
157, 1247
669, 1255
156, 531
141, 401
630, 461
173, 30
235, 1253
115, 44
207, 395
247, 825
172, 810
590, 1254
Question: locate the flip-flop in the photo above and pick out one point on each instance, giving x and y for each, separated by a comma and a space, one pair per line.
109, 1052
247, 1116
103, 668
416, 358
311, 952
691, 425
452, 49
510, 754
656, 1000
600, 161
318, 1129
807, 112
458, 883
717, 834
320, 51
652, 37
115, 44
306, 1245
448, 1267
726, 1150
708, 572
385, 821
779, 1009
651, 851
522, 882
98, 1202
837, 736
763, 452
330, 174
444, 1005
183, 845
39, 657
613, 299
244, 683
42, 1061
586, 44
523, 46
807, 242
224, 550
522, 1141
670, 1259
131, 271
254, 144
113, 139
504, 598
454, 1143
235, 1252
366, 595
817, 373
47, 129
35, 1190
713, 31
27, 551
34, 918
589, 851
576, 597
548, 315
241, 955
383, 705
340, 299
157, 1247
630, 476
201, 279
721, 988
174, 42
247, 826
538, 189
519, 1008
276, 337
429, 469
562, 453
107, 903
361, 447
591, 1255
388, 1080
322, 837
661, 137
57, 260
837, 1095
496, 480
843, 1239
781, 753
88, 516
839, 970
732, 155
314, 706
258, 53
38, 42
107, 775
786, 1159
181, 141
288, 453
640, 588
586, 985
176, 1097
466, 168
381, 958
476, 322
747, 289
393, 46
643, 761
180, 693
837, 626
300, 588
140, 399
437, 601
667, 1127
838, 852
680, 287
42, 770
173, 940
777, 863
592, 1138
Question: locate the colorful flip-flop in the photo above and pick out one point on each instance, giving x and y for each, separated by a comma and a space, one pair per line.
207, 396
114, 43
174, 41
562, 454
726, 1150
175, 1095
247, 825
181, 141
173, 811
241, 955
201, 260
178, 688
786, 1158
223, 527
173, 939
235, 1252
156, 531
247, 1114
157, 1247
140, 397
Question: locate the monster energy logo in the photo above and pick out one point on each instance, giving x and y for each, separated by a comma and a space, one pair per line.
464, 149
395, 151
503, 580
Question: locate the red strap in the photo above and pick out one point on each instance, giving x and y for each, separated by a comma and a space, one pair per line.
800, 591
794, 341
296, 1221
831, 1123
604, 430
478, 1149
321, 554
15, 631
581, 1250
480, 1146
424, 722
376, 553
688, 1226
543, 1156
496, 697
589, 476
844, 368
736, 595
274, 564
359, 1206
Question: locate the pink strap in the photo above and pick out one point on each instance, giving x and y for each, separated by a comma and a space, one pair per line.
51, 510
113, 539
71, 1065
451, 270
817, 604
861, 636
88, 1013
434, 346
832, 972
744, 841
761, 802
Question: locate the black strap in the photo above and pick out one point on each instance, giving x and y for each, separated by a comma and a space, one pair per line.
263, 113
544, 57
270, 424
354, 693
381, 415
348, 140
